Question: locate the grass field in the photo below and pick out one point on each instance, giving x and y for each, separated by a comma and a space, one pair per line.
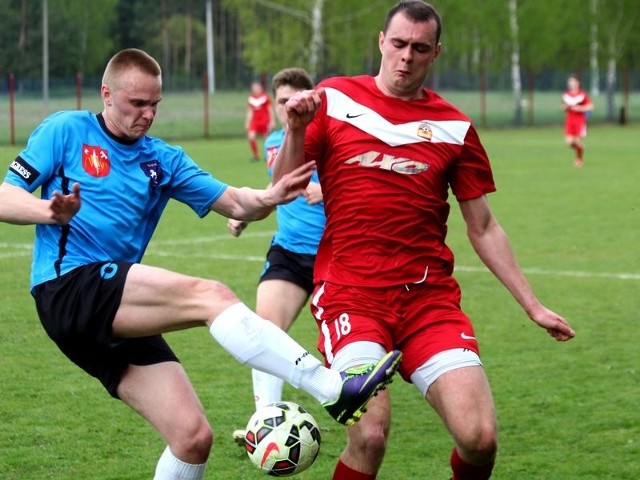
566, 411
181, 114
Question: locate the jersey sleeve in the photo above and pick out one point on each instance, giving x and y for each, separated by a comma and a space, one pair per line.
471, 175
194, 186
42, 155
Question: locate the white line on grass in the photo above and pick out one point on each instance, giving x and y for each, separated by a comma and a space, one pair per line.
156, 250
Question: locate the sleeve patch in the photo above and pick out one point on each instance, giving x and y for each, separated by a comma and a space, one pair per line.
24, 170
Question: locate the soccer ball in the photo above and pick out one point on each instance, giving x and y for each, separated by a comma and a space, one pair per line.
282, 439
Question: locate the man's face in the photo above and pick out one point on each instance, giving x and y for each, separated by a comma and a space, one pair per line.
408, 48
131, 103
283, 93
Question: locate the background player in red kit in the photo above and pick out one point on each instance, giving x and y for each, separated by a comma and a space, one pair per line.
259, 120
576, 104
387, 151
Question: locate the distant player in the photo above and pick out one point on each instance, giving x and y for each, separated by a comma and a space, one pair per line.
576, 104
286, 282
259, 121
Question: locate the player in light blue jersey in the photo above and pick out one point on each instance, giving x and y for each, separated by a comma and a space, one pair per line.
286, 281
103, 185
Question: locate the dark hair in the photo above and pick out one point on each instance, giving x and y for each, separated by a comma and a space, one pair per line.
415, 10
295, 77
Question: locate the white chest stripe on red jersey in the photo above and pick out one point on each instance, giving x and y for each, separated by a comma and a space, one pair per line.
573, 100
343, 108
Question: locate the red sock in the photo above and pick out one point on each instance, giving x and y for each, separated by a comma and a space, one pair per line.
465, 471
254, 148
579, 151
342, 472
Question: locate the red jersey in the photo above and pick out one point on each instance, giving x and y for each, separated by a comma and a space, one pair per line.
575, 122
260, 106
386, 166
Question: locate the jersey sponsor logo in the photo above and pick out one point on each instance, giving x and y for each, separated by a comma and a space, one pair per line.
23, 169
349, 115
95, 160
152, 170
464, 336
382, 161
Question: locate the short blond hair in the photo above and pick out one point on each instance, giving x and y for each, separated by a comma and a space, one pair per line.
129, 59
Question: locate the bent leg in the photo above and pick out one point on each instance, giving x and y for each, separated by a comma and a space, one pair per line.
163, 395
462, 397
366, 442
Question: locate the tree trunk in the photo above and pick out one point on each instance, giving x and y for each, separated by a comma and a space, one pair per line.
516, 80
593, 53
317, 42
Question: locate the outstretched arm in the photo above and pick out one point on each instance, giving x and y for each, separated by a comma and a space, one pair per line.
248, 204
20, 207
492, 246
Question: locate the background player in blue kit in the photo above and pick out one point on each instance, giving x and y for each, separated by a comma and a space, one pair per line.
106, 311
286, 281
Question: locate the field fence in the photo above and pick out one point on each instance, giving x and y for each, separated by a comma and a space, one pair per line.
194, 114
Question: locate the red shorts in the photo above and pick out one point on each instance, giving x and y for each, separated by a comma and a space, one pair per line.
259, 127
421, 320
575, 126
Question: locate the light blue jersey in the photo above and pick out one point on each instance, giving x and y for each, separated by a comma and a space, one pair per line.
124, 187
300, 225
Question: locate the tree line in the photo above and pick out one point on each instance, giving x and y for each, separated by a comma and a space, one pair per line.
597, 39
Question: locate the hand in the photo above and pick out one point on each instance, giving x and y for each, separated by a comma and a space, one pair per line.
290, 186
554, 324
302, 107
236, 227
313, 193
64, 207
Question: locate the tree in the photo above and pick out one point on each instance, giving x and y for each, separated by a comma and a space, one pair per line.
322, 35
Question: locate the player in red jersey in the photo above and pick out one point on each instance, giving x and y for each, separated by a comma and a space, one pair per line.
576, 104
387, 151
259, 120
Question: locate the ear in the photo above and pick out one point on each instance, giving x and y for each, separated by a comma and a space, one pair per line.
437, 52
105, 93
380, 41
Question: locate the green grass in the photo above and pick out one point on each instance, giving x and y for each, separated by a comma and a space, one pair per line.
182, 114
566, 411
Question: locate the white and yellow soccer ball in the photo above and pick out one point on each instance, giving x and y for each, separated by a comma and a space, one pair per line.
282, 439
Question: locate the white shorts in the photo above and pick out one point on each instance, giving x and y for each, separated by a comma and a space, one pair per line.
360, 353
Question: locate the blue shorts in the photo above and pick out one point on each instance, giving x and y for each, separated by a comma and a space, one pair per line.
77, 311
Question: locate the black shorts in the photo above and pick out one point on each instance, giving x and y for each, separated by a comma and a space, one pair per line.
283, 264
77, 310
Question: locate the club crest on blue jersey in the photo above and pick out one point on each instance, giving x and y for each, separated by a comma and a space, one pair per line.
152, 170
95, 160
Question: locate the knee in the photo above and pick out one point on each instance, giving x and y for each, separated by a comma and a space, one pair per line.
368, 439
480, 446
211, 295
193, 444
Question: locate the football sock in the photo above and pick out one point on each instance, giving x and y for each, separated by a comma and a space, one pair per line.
258, 343
267, 389
579, 151
465, 471
342, 472
254, 148
170, 468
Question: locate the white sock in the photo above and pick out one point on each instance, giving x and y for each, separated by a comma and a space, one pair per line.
267, 389
170, 468
258, 343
